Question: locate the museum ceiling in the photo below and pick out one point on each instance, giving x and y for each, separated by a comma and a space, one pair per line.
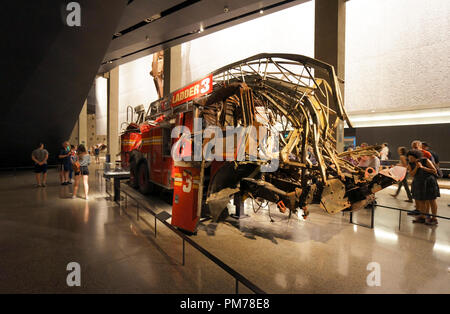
149, 26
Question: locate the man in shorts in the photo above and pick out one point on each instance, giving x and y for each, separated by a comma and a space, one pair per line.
40, 156
64, 163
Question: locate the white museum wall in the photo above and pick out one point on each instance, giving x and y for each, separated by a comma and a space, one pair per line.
136, 86
101, 105
398, 61
287, 31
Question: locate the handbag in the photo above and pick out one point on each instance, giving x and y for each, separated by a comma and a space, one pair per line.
76, 166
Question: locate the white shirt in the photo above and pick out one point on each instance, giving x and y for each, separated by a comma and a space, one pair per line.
384, 153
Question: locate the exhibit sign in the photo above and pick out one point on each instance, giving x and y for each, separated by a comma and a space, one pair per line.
194, 90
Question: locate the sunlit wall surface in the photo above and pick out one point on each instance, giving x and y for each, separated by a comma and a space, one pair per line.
136, 86
398, 59
101, 105
287, 31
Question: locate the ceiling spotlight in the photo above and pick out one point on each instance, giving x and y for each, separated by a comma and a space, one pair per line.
261, 11
152, 18
118, 34
201, 29
226, 9
147, 38
109, 61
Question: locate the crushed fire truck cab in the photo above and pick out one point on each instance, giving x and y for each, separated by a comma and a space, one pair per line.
260, 128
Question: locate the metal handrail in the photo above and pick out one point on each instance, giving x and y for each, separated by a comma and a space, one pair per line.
400, 210
185, 238
411, 211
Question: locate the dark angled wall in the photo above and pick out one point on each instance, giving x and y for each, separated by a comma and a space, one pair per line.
47, 69
436, 135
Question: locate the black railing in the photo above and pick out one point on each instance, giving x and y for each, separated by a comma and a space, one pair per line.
400, 210
162, 218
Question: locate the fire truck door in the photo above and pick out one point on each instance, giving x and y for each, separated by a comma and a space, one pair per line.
185, 198
156, 162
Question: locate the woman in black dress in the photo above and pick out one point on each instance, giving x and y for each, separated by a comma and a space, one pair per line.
424, 187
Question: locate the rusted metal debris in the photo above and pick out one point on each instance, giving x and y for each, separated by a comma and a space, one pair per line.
298, 101
300, 97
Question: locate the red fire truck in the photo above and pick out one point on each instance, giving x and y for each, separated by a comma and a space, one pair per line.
296, 98
146, 150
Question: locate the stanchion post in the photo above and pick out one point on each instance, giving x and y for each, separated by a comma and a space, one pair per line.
137, 211
183, 252
372, 217
399, 219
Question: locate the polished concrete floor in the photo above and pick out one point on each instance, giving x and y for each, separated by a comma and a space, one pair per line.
42, 230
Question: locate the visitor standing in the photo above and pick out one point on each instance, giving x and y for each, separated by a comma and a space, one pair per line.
403, 162
40, 156
82, 171
384, 153
72, 158
371, 161
425, 188
418, 145
435, 158
97, 154
64, 163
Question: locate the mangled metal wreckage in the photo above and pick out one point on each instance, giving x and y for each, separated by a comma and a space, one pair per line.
297, 101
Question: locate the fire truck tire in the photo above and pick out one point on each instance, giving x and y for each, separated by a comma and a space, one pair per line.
134, 180
145, 186
226, 177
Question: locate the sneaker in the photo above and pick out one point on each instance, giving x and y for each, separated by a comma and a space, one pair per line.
37, 185
431, 222
419, 220
43, 185
414, 213
74, 196
64, 183
68, 182
87, 198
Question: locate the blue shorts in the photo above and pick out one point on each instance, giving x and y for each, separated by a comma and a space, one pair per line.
40, 168
64, 166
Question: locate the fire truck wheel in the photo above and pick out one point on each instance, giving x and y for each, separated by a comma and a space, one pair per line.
145, 186
134, 182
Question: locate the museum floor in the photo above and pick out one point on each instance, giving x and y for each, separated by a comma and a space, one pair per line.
42, 230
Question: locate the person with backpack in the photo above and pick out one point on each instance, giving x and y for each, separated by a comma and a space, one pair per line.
81, 170
434, 159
